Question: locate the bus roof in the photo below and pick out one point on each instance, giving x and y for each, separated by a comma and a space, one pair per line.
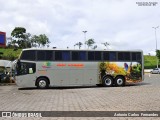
82, 49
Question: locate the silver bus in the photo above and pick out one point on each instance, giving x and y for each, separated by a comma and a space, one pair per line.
43, 68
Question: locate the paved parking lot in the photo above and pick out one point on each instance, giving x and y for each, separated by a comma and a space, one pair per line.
141, 97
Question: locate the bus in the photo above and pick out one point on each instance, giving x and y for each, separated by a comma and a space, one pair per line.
44, 68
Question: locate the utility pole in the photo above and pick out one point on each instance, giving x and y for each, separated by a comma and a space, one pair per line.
84, 38
156, 41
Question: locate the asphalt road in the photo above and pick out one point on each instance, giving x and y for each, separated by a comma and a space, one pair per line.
137, 97
152, 79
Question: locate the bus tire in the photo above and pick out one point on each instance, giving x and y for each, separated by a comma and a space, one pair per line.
42, 83
119, 81
107, 81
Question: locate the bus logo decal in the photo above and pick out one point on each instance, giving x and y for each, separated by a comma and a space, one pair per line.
46, 65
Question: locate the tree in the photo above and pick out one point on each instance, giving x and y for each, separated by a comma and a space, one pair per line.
34, 41
27, 40
22, 38
39, 41
79, 44
18, 32
106, 44
89, 42
43, 40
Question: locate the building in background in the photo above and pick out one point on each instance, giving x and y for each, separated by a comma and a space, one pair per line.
2, 39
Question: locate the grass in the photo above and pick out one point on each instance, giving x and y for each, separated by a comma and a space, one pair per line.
10, 54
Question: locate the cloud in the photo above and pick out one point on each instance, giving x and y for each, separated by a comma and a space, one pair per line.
122, 23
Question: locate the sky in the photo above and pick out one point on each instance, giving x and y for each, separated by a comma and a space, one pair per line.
121, 23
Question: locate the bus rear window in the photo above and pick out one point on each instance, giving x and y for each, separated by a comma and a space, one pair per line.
28, 55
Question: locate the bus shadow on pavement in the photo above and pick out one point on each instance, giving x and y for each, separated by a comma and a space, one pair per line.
139, 84
59, 88
81, 87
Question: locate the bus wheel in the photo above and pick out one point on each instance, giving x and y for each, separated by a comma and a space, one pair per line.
42, 83
107, 81
119, 81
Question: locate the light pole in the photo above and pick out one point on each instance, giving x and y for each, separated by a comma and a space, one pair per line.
84, 38
156, 41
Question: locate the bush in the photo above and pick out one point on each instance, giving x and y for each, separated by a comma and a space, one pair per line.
9, 54
150, 62
10, 57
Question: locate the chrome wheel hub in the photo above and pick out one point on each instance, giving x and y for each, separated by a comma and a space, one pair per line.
108, 81
42, 83
119, 81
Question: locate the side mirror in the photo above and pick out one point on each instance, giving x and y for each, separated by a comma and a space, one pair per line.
17, 67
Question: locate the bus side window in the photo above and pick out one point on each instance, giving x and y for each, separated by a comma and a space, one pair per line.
136, 56
62, 55
31, 68
44, 55
49, 55
82, 55
133, 56
79, 55
28, 55
27, 68
112, 56
90, 55
40, 55
122, 56
127, 56
98, 55
75, 55
65, 55
106, 56
58, 55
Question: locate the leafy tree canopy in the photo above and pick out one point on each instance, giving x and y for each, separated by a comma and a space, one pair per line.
26, 40
18, 32
90, 42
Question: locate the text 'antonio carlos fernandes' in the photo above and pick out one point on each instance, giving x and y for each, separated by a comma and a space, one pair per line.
136, 114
